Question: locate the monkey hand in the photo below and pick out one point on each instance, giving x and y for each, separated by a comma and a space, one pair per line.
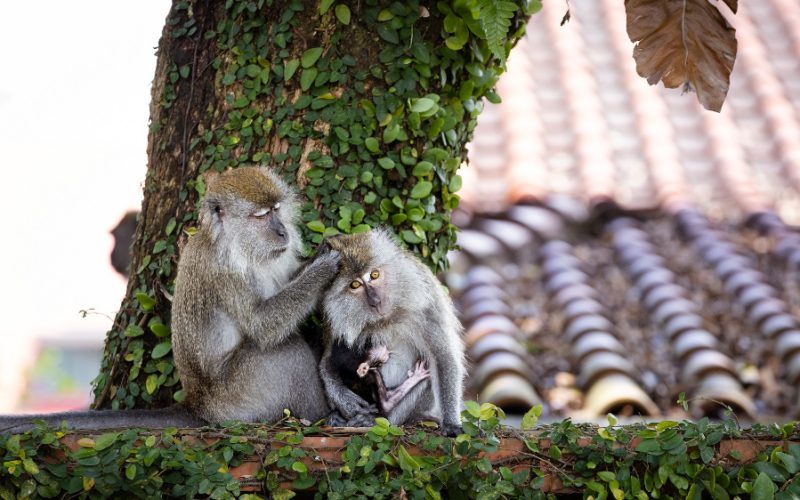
450, 429
420, 371
325, 266
362, 369
351, 404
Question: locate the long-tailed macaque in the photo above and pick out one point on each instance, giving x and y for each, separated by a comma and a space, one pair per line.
384, 296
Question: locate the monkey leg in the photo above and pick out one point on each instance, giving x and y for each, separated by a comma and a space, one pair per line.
257, 385
390, 398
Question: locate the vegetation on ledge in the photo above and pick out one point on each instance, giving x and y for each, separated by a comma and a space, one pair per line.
660, 460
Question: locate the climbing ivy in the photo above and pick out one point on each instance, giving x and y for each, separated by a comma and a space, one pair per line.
667, 460
365, 108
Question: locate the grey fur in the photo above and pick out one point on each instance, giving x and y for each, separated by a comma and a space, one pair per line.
237, 306
414, 318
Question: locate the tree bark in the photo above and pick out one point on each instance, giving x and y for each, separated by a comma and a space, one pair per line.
365, 107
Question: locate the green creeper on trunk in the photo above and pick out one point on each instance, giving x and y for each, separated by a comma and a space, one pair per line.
364, 106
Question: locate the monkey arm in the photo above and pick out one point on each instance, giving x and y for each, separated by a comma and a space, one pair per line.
339, 395
272, 321
390, 398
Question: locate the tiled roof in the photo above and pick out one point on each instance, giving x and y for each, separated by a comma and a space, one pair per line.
620, 244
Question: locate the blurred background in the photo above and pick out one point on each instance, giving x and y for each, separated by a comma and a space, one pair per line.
620, 245
74, 106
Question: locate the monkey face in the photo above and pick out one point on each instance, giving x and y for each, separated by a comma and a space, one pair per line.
369, 289
250, 211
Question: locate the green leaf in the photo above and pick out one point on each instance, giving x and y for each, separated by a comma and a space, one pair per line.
130, 472
606, 475
421, 190
134, 331
30, 466
160, 329
385, 15
386, 163
665, 424
789, 462
531, 417
310, 56
411, 238
532, 7
151, 384
472, 407
406, 461
316, 226
372, 144
170, 226
343, 13
106, 440
422, 168
325, 5
650, 446
161, 349
495, 20
289, 69
455, 184
307, 78
300, 467
388, 33
421, 105
763, 489
145, 301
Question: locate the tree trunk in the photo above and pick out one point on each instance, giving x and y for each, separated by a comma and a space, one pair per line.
364, 106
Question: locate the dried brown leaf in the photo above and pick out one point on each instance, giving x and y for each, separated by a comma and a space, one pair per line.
732, 4
683, 43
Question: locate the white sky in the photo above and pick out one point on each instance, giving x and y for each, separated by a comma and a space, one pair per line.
74, 107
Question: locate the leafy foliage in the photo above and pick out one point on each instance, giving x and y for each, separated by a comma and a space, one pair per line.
364, 107
660, 460
686, 44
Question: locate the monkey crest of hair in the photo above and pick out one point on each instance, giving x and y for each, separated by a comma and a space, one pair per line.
240, 295
384, 295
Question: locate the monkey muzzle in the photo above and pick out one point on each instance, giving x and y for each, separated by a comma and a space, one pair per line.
374, 299
277, 227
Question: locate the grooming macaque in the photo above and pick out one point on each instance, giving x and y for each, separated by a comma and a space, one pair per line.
384, 296
238, 301
238, 304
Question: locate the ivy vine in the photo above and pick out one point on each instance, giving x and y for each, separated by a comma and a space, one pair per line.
367, 114
667, 460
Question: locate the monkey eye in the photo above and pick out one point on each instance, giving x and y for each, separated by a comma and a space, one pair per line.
375, 274
262, 212
355, 284
276, 206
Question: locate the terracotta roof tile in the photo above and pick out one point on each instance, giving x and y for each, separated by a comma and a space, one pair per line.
588, 310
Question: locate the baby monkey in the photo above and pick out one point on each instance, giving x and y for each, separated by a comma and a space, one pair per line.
370, 372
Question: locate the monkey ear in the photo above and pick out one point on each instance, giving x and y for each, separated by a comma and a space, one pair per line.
214, 208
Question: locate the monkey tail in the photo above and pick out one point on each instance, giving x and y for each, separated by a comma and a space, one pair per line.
96, 420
